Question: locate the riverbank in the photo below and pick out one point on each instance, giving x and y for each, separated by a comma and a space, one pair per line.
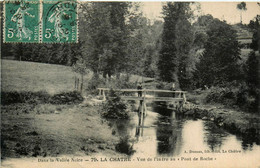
47, 130
246, 125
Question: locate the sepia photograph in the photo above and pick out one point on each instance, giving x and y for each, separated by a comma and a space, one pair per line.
98, 84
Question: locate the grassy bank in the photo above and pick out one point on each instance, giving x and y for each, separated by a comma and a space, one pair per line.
232, 119
41, 115
54, 130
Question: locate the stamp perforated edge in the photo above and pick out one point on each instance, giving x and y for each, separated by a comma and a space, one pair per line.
77, 18
40, 24
77, 30
4, 21
40, 2
14, 1
3, 29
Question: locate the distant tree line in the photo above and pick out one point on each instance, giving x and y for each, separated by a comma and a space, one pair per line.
115, 37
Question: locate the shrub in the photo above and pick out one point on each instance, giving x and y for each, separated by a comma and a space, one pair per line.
95, 82
116, 83
226, 96
24, 97
73, 97
8, 98
124, 146
115, 107
246, 98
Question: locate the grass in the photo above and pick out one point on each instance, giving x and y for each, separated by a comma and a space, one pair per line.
34, 77
43, 129
31, 76
64, 130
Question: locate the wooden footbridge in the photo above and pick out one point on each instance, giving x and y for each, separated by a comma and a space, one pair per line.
177, 97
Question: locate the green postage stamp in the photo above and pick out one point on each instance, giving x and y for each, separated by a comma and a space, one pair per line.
40, 21
22, 21
59, 21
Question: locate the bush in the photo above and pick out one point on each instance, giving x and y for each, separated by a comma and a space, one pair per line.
226, 96
241, 96
124, 146
8, 98
115, 107
73, 97
95, 82
248, 99
24, 97
115, 83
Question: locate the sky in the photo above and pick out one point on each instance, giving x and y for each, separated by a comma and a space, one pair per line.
222, 10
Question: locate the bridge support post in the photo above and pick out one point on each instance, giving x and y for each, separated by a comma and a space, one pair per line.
104, 96
142, 108
99, 92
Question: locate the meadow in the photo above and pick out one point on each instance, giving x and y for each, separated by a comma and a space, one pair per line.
31, 76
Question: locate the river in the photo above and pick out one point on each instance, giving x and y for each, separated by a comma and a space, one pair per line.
166, 134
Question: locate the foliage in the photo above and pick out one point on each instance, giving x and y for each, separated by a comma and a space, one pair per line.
124, 146
8, 98
67, 98
143, 45
255, 27
240, 96
120, 82
219, 62
242, 7
105, 36
222, 95
252, 70
63, 54
115, 107
177, 39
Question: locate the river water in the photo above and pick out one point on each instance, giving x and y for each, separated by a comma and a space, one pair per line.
166, 134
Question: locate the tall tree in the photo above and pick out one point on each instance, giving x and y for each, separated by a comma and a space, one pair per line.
219, 62
255, 27
252, 70
143, 45
242, 7
106, 35
176, 40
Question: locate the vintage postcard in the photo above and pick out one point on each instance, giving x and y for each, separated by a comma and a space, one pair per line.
129, 84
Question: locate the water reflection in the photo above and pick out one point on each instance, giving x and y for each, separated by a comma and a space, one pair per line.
169, 135
165, 133
140, 127
214, 136
121, 128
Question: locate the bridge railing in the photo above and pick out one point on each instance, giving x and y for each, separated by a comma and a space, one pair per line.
178, 95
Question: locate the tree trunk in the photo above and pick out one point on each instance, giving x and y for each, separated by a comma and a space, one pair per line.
241, 16
81, 86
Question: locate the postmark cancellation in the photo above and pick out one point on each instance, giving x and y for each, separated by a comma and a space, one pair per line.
40, 21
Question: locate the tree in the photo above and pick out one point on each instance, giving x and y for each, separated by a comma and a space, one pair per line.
177, 38
143, 45
219, 62
105, 37
242, 7
255, 27
252, 70
80, 67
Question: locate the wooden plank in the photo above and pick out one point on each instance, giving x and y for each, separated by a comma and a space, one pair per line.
143, 90
151, 98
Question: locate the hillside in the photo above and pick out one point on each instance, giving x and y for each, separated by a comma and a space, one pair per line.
31, 76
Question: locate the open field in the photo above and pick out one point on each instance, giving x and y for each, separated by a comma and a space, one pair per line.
31, 76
